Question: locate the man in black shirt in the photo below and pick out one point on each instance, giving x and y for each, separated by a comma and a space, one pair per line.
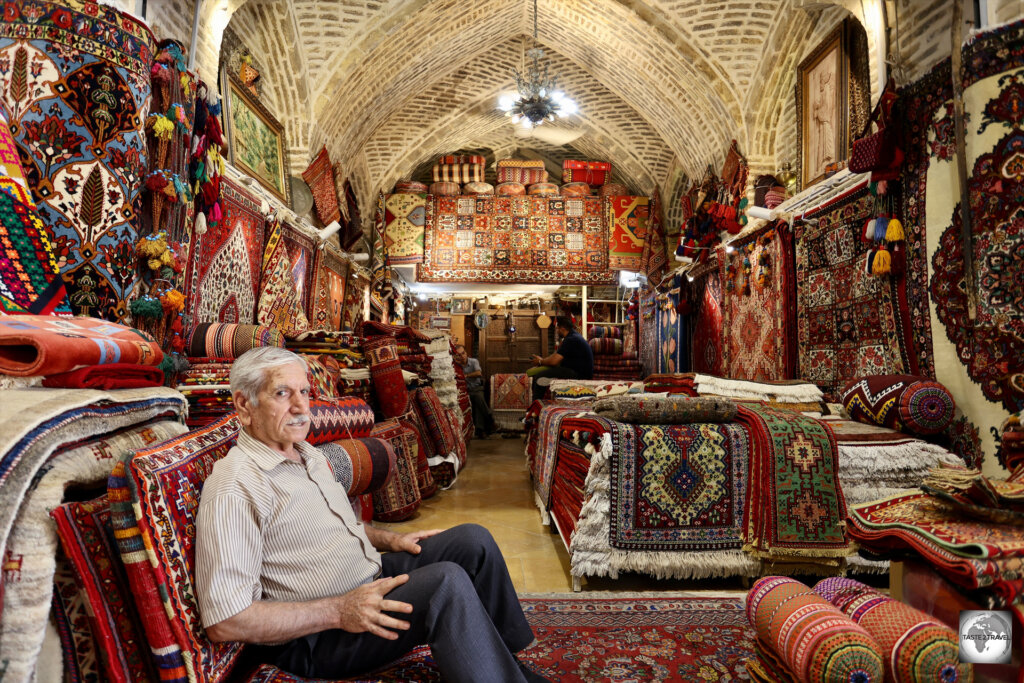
574, 358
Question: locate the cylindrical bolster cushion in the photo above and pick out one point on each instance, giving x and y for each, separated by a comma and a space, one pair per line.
606, 346
410, 187
445, 189
542, 190
228, 340
609, 331
614, 190
339, 418
478, 188
816, 641
510, 189
912, 404
575, 190
916, 647
362, 465
386, 373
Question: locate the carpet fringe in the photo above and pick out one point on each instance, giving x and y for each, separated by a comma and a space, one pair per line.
734, 388
545, 516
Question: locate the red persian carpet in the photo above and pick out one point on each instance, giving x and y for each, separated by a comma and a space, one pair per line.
641, 638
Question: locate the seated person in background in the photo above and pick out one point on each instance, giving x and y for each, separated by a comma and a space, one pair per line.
282, 561
483, 418
574, 358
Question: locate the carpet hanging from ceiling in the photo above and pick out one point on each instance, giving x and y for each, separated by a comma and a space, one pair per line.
627, 225
849, 324
74, 96
320, 178
328, 298
641, 637
404, 217
755, 279
515, 240
707, 324
223, 277
979, 362
652, 260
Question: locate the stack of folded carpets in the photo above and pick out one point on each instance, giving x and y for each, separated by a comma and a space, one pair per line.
984, 558
206, 386
796, 395
615, 352
353, 377
442, 371
48, 438
465, 407
670, 383
414, 358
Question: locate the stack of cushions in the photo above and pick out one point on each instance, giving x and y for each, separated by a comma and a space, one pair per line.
459, 168
912, 404
353, 377
522, 171
442, 371
648, 410
808, 636
414, 359
678, 383
510, 189
589, 172
612, 360
386, 372
915, 647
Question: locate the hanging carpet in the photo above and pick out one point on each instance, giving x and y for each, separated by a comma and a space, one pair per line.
707, 325
627, 225
404, 218
515, 240
330, 276
849, 324
223, 278
74, 96
280, 303
320, 178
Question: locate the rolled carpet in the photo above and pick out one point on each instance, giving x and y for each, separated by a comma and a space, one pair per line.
812, 637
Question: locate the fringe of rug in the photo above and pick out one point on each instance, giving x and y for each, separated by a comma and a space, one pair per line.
863, 492
12, 382
736, 388
509, 420
592, 555
545, 516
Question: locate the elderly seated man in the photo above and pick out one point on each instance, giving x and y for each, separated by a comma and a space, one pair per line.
282, 561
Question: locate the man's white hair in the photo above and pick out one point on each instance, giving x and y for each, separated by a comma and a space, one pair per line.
249, 371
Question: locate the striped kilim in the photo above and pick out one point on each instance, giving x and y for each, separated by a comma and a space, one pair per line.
815, 640
916, 647
361, 465
341, 418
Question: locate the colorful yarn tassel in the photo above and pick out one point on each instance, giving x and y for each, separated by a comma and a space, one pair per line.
869, 229
882, 263
894, 231
880, 226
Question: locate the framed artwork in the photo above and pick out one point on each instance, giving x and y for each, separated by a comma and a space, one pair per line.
822, 108
462, 306
440, 322
256, 142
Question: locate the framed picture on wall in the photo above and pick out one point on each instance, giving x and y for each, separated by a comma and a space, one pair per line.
256, 143
822, 108
440, 322
462, 306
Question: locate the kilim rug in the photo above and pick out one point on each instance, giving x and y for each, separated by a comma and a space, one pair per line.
657, 637
673, 350
652, 260
707, 325
223, 278
330, 275
756, 346
280, 302
515, 240
542, 446
355, 294
796, 506
510, 398
320, 178
74, 95
32, 544
849, 324
404, 217
71, 619
627, 225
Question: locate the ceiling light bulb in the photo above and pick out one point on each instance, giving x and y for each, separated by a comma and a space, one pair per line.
506, 102
729, 249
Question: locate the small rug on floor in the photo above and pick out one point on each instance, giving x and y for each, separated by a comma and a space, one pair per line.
614, 637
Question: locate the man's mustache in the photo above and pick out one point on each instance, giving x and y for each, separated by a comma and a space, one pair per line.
298, 421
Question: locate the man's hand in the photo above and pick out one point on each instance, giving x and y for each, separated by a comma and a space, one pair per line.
389, 541
363, 609
536, 359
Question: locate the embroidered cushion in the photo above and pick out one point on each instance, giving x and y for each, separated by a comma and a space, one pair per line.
410, 187
400, 497
386, 372
424, 478
606, 346
510, 189
916, 648
437, 427
572, 393
478, 188
575, 190
542, 190
644, 409
445, 189
614, 190
340, 418
360, 465
816, 641
323, 373
906, 402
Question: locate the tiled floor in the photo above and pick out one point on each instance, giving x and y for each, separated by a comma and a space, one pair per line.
494, 490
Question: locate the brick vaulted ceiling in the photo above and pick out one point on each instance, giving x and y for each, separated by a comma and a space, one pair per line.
663, 85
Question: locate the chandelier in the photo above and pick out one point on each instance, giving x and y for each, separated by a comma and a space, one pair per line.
539, 98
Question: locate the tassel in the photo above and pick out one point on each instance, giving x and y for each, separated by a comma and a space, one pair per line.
882, 263
200, 226
868, 260
880, 225
873, 189
883, 187
869, 229
894, 231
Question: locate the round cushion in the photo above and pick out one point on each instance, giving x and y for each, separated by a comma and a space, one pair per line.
410, 186
510, 189
542, 190
478, 188
445, 189
906, 402
575, 190
614, 190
